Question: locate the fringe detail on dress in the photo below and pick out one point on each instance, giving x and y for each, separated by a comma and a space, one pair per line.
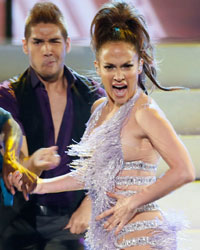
166, 236
100, 160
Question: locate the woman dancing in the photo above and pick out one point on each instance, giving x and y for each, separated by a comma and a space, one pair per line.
123, 142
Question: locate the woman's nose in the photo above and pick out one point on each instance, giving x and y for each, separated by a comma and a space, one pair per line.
119, 76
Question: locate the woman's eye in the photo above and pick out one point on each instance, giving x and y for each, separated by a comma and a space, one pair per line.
128, 65
109, 67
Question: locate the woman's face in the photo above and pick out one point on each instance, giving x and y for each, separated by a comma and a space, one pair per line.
119, 66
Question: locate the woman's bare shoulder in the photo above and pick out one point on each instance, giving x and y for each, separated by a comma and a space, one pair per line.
97, 103
147, 108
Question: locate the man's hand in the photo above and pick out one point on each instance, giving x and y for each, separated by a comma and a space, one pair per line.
45, 158
79, 220
42, 159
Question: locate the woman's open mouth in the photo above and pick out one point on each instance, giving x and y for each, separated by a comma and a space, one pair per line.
119, 90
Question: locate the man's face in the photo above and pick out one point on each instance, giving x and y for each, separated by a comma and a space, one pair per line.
46, 48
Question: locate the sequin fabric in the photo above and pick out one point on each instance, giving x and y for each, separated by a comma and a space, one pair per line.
101, 160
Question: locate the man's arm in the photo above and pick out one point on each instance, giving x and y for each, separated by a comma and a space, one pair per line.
12, 145
79, 221
45, 158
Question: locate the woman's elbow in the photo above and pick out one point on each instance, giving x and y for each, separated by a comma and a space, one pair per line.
192, 176
188, 175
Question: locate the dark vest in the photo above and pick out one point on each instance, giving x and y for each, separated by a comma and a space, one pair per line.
83, 96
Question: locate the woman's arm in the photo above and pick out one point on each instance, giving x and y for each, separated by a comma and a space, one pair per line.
67, 182
165, 140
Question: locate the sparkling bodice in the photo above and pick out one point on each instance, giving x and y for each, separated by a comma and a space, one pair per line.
103, 169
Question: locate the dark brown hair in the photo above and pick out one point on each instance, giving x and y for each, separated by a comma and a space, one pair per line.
119, 21
45, 12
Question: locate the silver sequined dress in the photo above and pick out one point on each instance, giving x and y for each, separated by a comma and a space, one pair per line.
101, 161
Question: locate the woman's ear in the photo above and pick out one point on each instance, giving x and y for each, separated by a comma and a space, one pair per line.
140, 67
96, 65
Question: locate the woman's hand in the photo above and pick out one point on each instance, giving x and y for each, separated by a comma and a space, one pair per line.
27, 178
15, 179
120, 214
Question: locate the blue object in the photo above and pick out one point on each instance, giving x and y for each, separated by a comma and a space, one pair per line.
117, 29
7, 196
